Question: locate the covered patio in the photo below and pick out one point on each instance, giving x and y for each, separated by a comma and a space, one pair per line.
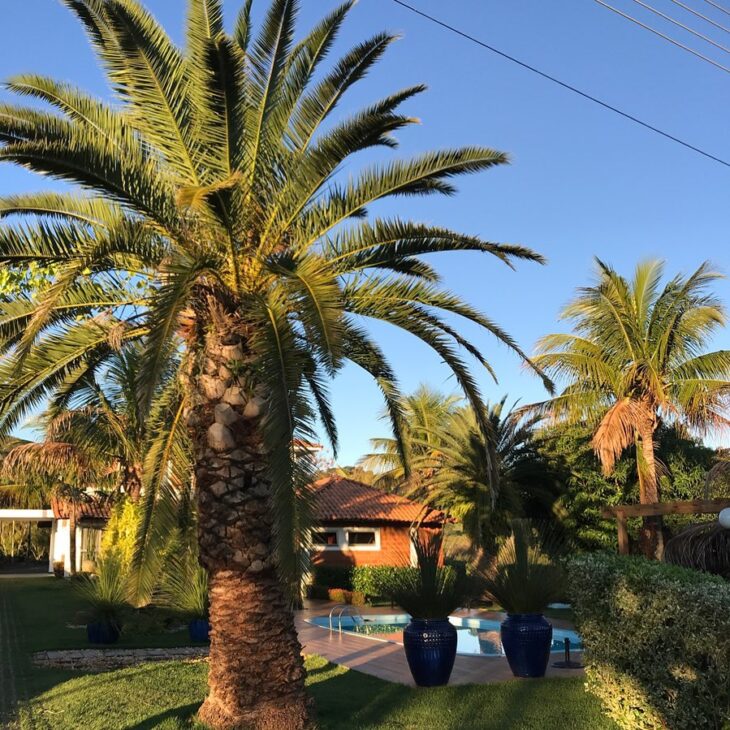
90, 520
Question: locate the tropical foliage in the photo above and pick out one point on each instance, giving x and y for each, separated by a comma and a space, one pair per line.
525, 575
216, 223
637, 358
481, 479
430, 590
657, 641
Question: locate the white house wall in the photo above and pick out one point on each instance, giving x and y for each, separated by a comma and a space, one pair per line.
60, 550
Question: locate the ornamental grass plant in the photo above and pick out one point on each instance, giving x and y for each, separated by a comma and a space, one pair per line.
430, 590
525, 575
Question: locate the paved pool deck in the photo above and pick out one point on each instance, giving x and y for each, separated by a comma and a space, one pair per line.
386, 659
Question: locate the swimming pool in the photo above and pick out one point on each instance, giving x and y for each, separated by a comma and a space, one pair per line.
474, 637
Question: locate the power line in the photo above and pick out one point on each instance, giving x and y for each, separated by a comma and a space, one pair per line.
700, 15
664, 36
719, 7
694, 32
563, 84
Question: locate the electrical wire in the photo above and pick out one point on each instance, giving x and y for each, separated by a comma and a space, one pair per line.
563, 84
663, 35
700, 15
694, 32
719, 7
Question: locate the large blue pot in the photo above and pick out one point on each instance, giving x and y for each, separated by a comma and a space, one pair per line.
199, 630
526, 640
102, 632
430, 646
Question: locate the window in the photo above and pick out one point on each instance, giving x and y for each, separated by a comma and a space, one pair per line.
366, 537
324, 538
346, 538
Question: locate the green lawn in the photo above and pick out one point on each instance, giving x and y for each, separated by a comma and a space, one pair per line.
166, 695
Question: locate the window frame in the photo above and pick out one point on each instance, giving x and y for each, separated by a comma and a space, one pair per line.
342, 541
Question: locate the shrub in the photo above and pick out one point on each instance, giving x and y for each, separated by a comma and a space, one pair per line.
331, 577
377, 581
657, 641
429, 591
318, 592
104, 593
340, 595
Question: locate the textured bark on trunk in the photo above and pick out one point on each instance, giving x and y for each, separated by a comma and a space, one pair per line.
256, 676
133, 481
651, 539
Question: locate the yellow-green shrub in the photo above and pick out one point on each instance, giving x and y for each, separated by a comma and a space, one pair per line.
121, 532
657, 641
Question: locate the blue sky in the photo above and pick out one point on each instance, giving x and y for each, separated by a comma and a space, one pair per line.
582, 182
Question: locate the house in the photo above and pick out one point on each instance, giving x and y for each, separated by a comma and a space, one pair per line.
361, 525
91, 518
355, 524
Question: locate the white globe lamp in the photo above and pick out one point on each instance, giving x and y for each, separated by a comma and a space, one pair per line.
724, 518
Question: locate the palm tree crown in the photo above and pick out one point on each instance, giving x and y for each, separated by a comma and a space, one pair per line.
218, 223
638, 355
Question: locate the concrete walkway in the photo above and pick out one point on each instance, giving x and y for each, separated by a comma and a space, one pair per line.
387, 660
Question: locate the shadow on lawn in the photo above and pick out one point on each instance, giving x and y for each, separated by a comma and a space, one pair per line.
181, 713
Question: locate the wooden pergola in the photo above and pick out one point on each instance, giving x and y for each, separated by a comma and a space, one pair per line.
690, 507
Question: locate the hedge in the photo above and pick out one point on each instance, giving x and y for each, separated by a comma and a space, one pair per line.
331, 577
376, 581
657, 640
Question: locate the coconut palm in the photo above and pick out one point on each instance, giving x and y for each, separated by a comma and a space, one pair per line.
102, 414
483, 480
56, 470
220, 226
638, 357
426, 412
480, 479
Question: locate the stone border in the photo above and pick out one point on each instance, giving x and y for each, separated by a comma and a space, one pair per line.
104, 659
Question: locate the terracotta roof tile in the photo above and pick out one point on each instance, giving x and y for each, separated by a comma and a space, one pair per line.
94, 509
338, 499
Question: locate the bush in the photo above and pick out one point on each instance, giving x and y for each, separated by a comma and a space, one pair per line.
657, 641
330, 577
340, 595
316, 592
377, 581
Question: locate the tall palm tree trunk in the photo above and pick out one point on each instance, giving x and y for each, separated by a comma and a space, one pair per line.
132, 479
651, 539
256, 676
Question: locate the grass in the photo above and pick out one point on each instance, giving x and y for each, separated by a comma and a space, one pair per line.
52, 613
165, 696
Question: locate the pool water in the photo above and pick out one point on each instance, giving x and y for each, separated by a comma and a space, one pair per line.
476, 637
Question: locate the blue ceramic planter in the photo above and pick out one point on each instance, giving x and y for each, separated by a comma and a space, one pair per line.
430, 646
102, 632
199, 630
526, 639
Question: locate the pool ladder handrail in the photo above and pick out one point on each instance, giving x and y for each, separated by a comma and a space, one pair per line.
344, 608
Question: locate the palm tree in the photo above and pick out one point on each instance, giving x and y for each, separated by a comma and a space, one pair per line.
637, 357
481, 480
426, 411
216, 185
57, 470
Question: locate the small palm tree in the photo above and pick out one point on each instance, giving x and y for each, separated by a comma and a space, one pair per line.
426, 411
638, 357
480, 479
216, 183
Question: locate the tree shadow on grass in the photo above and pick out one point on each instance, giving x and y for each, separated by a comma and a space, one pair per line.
184, 714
